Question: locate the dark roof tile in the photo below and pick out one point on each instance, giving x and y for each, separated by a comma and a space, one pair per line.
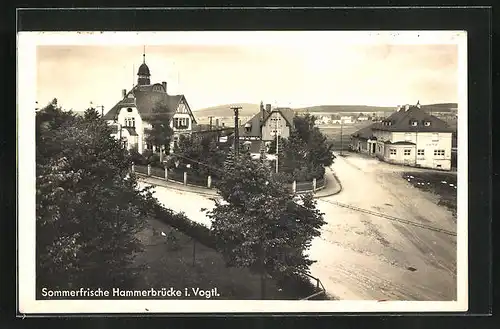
145, 99
400, 121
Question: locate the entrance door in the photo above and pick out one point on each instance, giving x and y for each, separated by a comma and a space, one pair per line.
373, 148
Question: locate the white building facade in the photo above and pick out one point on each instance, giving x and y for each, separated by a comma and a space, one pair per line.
410, 137
131, 117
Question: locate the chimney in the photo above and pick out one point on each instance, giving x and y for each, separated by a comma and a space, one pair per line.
262, 113
124, 93
217, 122
268, 108
418, 104
164, 84
223, 125
407, 107
239, 123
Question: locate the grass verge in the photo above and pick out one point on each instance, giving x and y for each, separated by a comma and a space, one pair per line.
173, 259
444, 185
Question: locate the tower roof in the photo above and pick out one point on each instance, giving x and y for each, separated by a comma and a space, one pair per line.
143, 70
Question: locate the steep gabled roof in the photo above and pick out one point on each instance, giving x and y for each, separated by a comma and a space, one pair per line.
286, 112
401, 121
258, 120
145, 99
255, 127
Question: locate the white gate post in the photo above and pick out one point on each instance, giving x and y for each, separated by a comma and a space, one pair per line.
314, 184
166, 173
149, 170
133, 167
294, 186
209, 181
185, 177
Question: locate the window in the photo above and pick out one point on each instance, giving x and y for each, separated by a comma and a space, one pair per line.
427, 123
129, 110
439, 152
392, 151
181, 123
407, 151
413, 123
129, 122
420, 152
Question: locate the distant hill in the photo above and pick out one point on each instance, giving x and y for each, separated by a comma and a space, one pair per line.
345, 108
442, 107
248, 109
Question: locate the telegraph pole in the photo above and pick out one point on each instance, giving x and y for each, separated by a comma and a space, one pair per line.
236, 129
277, 139
341, 140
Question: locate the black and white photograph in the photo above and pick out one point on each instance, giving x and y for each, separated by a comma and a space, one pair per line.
278, 171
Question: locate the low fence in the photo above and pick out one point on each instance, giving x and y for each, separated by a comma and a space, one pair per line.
187, 178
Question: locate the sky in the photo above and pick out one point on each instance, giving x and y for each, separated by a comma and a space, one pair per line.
294, 75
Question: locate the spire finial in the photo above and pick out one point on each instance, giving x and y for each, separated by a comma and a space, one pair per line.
144, 54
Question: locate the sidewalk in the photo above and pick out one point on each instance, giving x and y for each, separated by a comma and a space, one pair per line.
176, 185
332, 185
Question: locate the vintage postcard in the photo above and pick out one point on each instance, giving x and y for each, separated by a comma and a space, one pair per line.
239, 172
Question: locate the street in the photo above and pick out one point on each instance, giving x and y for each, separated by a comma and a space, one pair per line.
365, 257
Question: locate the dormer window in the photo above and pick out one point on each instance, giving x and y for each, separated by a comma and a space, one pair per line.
413, 123
129, 110
427, 123
248, 127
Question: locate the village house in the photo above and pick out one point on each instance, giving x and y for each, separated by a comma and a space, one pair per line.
410, 136
260, 131
346, 119
130, 117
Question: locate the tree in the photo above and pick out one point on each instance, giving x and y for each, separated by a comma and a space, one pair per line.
259, 224
307, 151
201, 152
89, 208
160, 133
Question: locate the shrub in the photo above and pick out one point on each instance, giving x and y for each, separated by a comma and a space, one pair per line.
136, 157
154, 160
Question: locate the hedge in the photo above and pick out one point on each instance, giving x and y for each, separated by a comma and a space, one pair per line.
296, 283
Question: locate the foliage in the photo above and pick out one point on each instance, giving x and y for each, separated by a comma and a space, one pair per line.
160, 132
259, 224
89, 208
306, 152
201, 153
136, 157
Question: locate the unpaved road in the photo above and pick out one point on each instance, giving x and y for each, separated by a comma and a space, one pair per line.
361, 256
364, 257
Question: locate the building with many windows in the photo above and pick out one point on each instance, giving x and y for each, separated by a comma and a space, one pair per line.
410, 136
131, 116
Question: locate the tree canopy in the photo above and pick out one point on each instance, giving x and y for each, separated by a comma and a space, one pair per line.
306, 152
89, 208
160, 133
201, 152
259, 224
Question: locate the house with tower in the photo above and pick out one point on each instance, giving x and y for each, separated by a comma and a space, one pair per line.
131, 116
